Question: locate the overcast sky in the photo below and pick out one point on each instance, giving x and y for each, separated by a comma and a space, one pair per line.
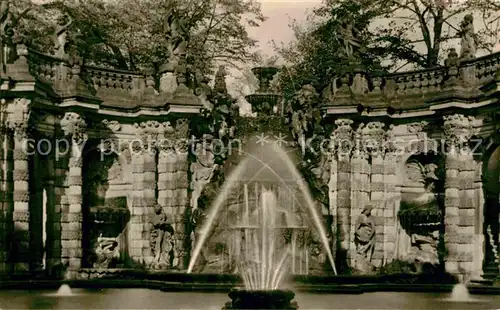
279, 13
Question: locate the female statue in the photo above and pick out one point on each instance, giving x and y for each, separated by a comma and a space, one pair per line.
60, 35
365, 234
468, 38
161, 234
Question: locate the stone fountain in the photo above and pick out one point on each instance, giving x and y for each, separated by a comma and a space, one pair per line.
265, 100
263, 256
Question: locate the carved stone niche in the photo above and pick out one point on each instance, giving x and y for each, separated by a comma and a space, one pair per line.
106, 218
421, 209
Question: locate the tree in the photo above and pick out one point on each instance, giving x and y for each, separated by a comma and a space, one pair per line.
417, 31
131, 35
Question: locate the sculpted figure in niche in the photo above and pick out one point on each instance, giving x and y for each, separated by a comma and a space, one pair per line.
468, 38
107, 252
161, 239
202, 169
364, 239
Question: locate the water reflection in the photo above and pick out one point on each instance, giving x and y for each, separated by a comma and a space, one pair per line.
153, 299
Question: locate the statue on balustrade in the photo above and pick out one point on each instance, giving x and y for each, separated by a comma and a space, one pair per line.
468, 38
364, 240
61, 35
176, 30
350, 40
8, 22
4, 21
161, 239
107, 252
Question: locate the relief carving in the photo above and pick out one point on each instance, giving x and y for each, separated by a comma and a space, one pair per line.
458, 130
107, 252
18, 114
74, 125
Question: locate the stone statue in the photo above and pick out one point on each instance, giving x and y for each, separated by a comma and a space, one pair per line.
203, 169
61, 34
220, 80
303, 112
350, 39
161, 239
107, 252
6, 33
364, 239
176, 31
468, 38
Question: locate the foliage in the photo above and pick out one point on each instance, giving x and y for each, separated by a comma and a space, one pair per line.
417, 31
397, 267
129, 34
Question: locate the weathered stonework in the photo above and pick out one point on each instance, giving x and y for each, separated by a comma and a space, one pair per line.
407, 115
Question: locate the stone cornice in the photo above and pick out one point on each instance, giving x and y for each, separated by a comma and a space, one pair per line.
472, 84
117, 93
106, 91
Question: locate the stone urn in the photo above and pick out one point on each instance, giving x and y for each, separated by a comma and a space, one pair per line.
274, 299
264, 100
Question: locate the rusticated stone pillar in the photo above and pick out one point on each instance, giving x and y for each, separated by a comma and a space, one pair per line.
166, 179
73, 126
360, 186
139, 218
149, 198
460, 205
17, 122
393, 199
181, 200
377, 188
5, 221
340, 186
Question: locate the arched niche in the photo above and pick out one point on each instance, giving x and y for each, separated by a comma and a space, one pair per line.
491, 191
420, 216
106, 213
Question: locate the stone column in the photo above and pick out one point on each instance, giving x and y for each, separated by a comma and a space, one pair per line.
181, 200
459, 196
360, 186
393, 200
377, 188
149, 199
5, 221
340, 186
138, 217
73, 126
17, 122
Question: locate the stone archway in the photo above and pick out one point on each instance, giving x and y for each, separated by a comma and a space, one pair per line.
491, 188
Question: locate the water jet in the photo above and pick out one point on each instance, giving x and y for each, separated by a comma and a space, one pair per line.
64, 290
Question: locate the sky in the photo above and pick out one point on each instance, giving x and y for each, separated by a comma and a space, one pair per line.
276, 27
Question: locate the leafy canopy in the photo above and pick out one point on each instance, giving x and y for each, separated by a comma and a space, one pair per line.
130, 34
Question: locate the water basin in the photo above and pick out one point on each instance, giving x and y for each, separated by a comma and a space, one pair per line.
155, 299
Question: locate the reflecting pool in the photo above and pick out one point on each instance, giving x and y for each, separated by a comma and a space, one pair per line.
155, 299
